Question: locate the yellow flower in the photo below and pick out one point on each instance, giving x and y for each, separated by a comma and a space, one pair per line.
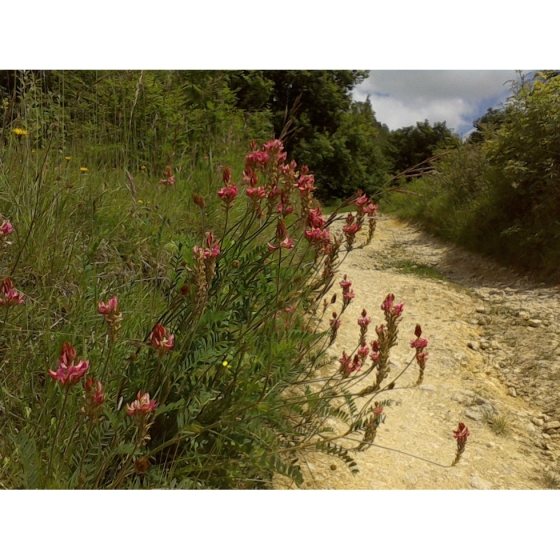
140, 201
224, 363
143, 167
67, 158
84, 169
32, 151
19, 131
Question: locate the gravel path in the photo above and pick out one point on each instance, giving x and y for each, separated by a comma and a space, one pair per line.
494, 344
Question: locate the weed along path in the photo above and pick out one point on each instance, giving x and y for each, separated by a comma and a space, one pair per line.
494, 364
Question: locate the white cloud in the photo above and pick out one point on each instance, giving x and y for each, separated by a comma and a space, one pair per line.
403, 97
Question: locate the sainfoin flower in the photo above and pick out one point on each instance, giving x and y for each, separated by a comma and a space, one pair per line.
141, 406
169, 177
111, 314
213, 248
11, 295
364, 320
94, 389
317, 235
228, 194
6, 229
161, 340
419, 343
460, 434
255, 193
256, 160
287, 243
94, 397
314, 219
109, 307
389, 308
67, 372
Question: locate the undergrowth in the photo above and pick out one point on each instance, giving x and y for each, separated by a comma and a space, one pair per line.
160, 328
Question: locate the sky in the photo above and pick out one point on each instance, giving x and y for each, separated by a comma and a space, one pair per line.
404, 97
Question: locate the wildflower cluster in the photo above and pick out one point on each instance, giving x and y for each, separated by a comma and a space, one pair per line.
169, 177
419, 344
230, 191
6, 229
142, 406
460, 434
349, 365
140, 411
68, 373
372, 423
112, 316
354, 222
94, 398
347, 294
10, 295
278, 178
161, 340
335, 323
363, 322
205, 267
386, 338
350, 230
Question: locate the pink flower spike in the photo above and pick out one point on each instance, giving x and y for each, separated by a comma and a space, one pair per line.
388, 302
227, 176
67, 354
370, 209
364, 320
109, 307
419, 343
11, 295
314, 219
67, 373
363, 350
228, 194
6, 229
345, 284
255, 193
461, 433
161, 340
141, 406
361, 201
288, 243
317, 235
256, 160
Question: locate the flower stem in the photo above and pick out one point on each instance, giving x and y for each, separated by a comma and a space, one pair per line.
59, 423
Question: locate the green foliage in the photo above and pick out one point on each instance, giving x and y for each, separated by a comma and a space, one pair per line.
498, 194
110, 180
313, 113
409, 146
490, 121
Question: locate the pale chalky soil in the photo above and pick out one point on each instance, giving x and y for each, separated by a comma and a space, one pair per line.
494, 346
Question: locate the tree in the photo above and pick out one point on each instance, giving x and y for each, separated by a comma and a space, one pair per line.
313, 113
409, 146
491, 120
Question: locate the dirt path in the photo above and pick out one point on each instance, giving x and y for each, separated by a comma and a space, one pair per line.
494, 344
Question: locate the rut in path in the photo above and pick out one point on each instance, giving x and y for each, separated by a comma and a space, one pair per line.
494, 344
